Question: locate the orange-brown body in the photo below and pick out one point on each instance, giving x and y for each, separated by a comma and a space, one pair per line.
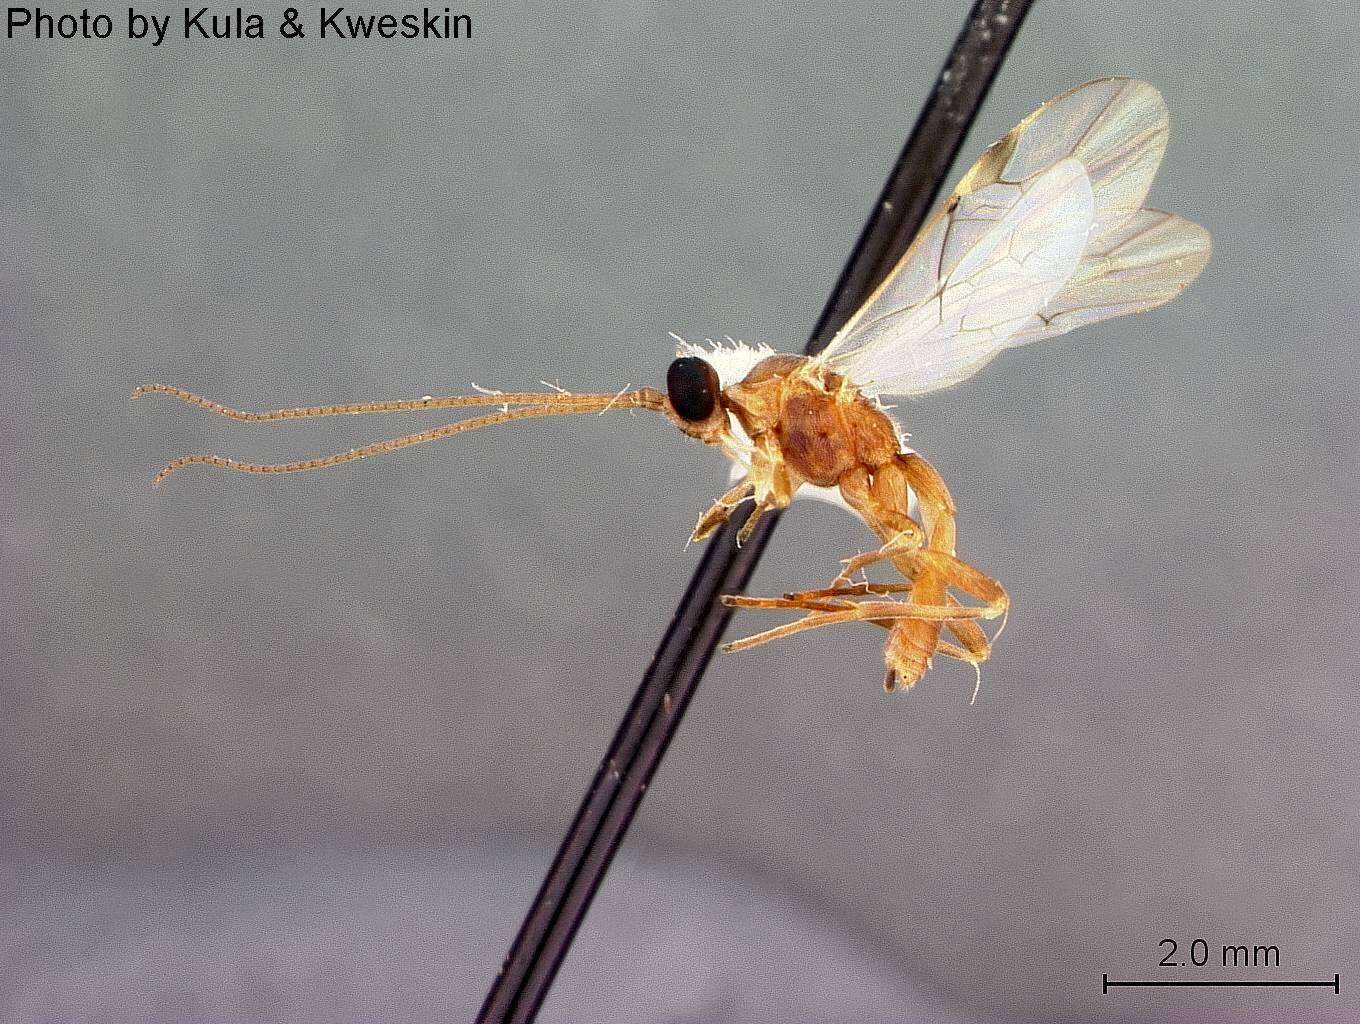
824, 427
802, 424
809, 425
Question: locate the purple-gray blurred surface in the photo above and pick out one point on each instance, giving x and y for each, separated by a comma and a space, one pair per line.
300, 748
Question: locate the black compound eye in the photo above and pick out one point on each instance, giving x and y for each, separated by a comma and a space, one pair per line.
692, 385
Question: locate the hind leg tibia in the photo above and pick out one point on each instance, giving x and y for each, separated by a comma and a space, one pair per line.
822, 614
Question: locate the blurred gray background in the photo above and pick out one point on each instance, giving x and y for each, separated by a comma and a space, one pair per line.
301, 748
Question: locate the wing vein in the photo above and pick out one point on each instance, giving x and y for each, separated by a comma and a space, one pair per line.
1044, 233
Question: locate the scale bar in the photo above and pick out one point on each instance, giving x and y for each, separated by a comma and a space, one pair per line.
1334, 984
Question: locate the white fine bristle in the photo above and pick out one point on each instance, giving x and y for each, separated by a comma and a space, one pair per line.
733, 360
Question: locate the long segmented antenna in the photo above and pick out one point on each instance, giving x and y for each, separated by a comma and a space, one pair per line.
554, 398
555, 404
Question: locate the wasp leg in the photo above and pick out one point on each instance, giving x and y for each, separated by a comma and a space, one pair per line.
967, 657
863, 611
976, 646
721, 510
748, 527
880, 498
935, 570
831, 606
958, 574
862, 589
829, 599
856, 563
924, 556
791, 601
954, 573
774, 484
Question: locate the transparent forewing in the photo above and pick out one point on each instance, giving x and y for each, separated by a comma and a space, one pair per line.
1141, 264
1116, 127
978, 273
